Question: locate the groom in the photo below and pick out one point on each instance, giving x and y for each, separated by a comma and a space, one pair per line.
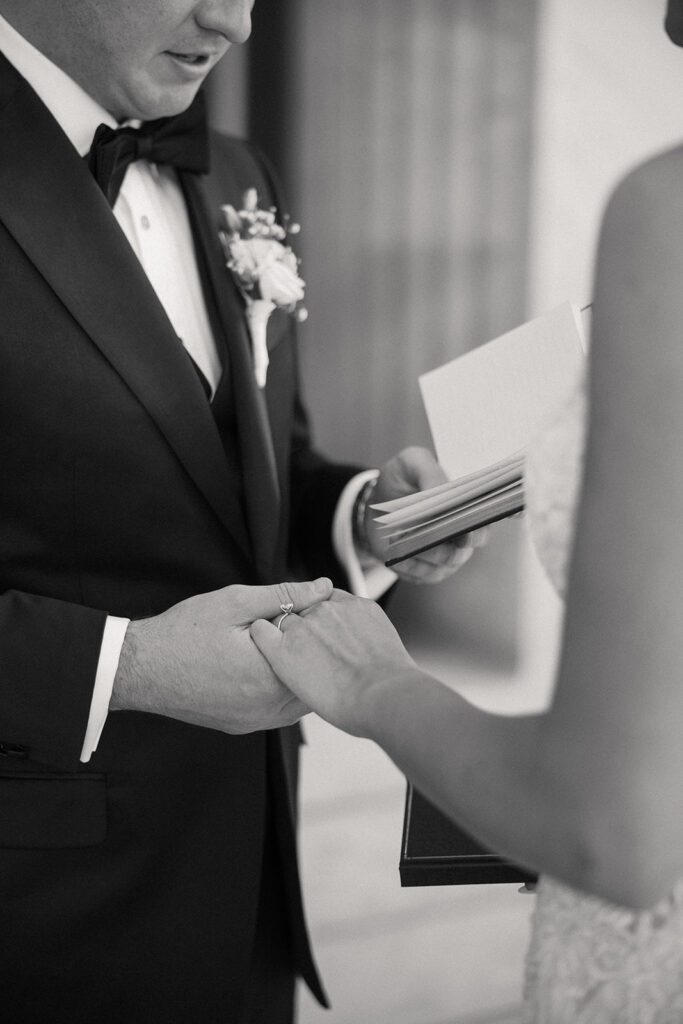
152, 496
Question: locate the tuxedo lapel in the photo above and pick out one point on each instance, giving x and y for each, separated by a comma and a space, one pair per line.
58, 215
261, 488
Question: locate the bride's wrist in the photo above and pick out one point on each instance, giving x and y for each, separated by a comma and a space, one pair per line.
386, 701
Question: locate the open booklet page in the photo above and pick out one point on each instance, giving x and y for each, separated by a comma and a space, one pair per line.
483, 409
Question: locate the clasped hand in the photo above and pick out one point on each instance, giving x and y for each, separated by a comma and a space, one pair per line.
339, 657
197, 663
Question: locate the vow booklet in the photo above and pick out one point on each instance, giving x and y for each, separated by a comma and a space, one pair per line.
483, 409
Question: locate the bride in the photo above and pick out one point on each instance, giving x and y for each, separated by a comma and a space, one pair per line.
589, 792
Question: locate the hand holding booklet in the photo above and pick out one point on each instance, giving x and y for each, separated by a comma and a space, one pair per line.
483, 409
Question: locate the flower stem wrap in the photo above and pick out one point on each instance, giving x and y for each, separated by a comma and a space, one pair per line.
258, 312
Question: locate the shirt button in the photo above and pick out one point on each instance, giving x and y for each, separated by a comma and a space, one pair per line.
144, 220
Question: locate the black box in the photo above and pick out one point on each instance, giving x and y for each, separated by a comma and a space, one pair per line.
435, 851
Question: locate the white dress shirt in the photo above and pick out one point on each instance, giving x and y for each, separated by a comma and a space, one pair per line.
151, 212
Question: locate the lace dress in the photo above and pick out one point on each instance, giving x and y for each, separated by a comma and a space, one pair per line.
590, 962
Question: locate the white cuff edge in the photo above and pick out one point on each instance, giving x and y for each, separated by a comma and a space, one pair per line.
367, 577
110, 652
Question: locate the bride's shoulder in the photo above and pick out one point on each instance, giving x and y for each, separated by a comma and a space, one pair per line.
639, 267
655, 184
654, 170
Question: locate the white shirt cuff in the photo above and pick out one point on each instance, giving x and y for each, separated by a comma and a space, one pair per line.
110, 652
368, 577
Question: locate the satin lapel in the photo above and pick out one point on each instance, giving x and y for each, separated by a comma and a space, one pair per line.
58, 215
262, 493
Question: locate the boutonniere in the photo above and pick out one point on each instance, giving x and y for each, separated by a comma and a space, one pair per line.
265, 268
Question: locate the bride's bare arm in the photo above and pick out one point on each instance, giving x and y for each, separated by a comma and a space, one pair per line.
590, 791
615, 729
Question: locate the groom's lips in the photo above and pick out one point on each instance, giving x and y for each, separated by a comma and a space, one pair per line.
193, 59
194, 63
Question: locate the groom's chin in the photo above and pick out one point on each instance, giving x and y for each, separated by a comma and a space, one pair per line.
149, 97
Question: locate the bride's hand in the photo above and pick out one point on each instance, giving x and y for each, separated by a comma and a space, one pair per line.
335, 656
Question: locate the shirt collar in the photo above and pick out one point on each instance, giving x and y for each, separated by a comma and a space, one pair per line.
77, 113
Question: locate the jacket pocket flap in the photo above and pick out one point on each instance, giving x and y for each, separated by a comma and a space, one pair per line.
52, 812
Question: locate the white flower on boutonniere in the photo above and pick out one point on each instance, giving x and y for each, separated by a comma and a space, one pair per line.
265, 267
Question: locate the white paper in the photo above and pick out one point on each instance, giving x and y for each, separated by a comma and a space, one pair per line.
488, 403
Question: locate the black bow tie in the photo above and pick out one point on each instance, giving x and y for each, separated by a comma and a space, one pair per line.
181, 141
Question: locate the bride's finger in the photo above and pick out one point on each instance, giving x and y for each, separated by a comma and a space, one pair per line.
280, 620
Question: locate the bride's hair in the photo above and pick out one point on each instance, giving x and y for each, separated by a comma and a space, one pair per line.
674, 21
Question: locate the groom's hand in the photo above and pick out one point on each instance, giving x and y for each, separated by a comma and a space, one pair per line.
197, 663
416, 469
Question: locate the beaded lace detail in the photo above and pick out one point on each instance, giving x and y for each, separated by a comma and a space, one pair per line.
590, 962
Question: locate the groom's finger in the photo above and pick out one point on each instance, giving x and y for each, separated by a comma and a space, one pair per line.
269, 602
420, 469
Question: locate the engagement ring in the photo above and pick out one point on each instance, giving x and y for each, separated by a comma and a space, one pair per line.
287, 609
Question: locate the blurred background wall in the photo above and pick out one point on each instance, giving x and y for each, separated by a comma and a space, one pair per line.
449, 161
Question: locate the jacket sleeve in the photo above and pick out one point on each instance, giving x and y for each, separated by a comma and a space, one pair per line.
49, 651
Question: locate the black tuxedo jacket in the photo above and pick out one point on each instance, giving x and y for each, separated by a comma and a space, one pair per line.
128, 886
